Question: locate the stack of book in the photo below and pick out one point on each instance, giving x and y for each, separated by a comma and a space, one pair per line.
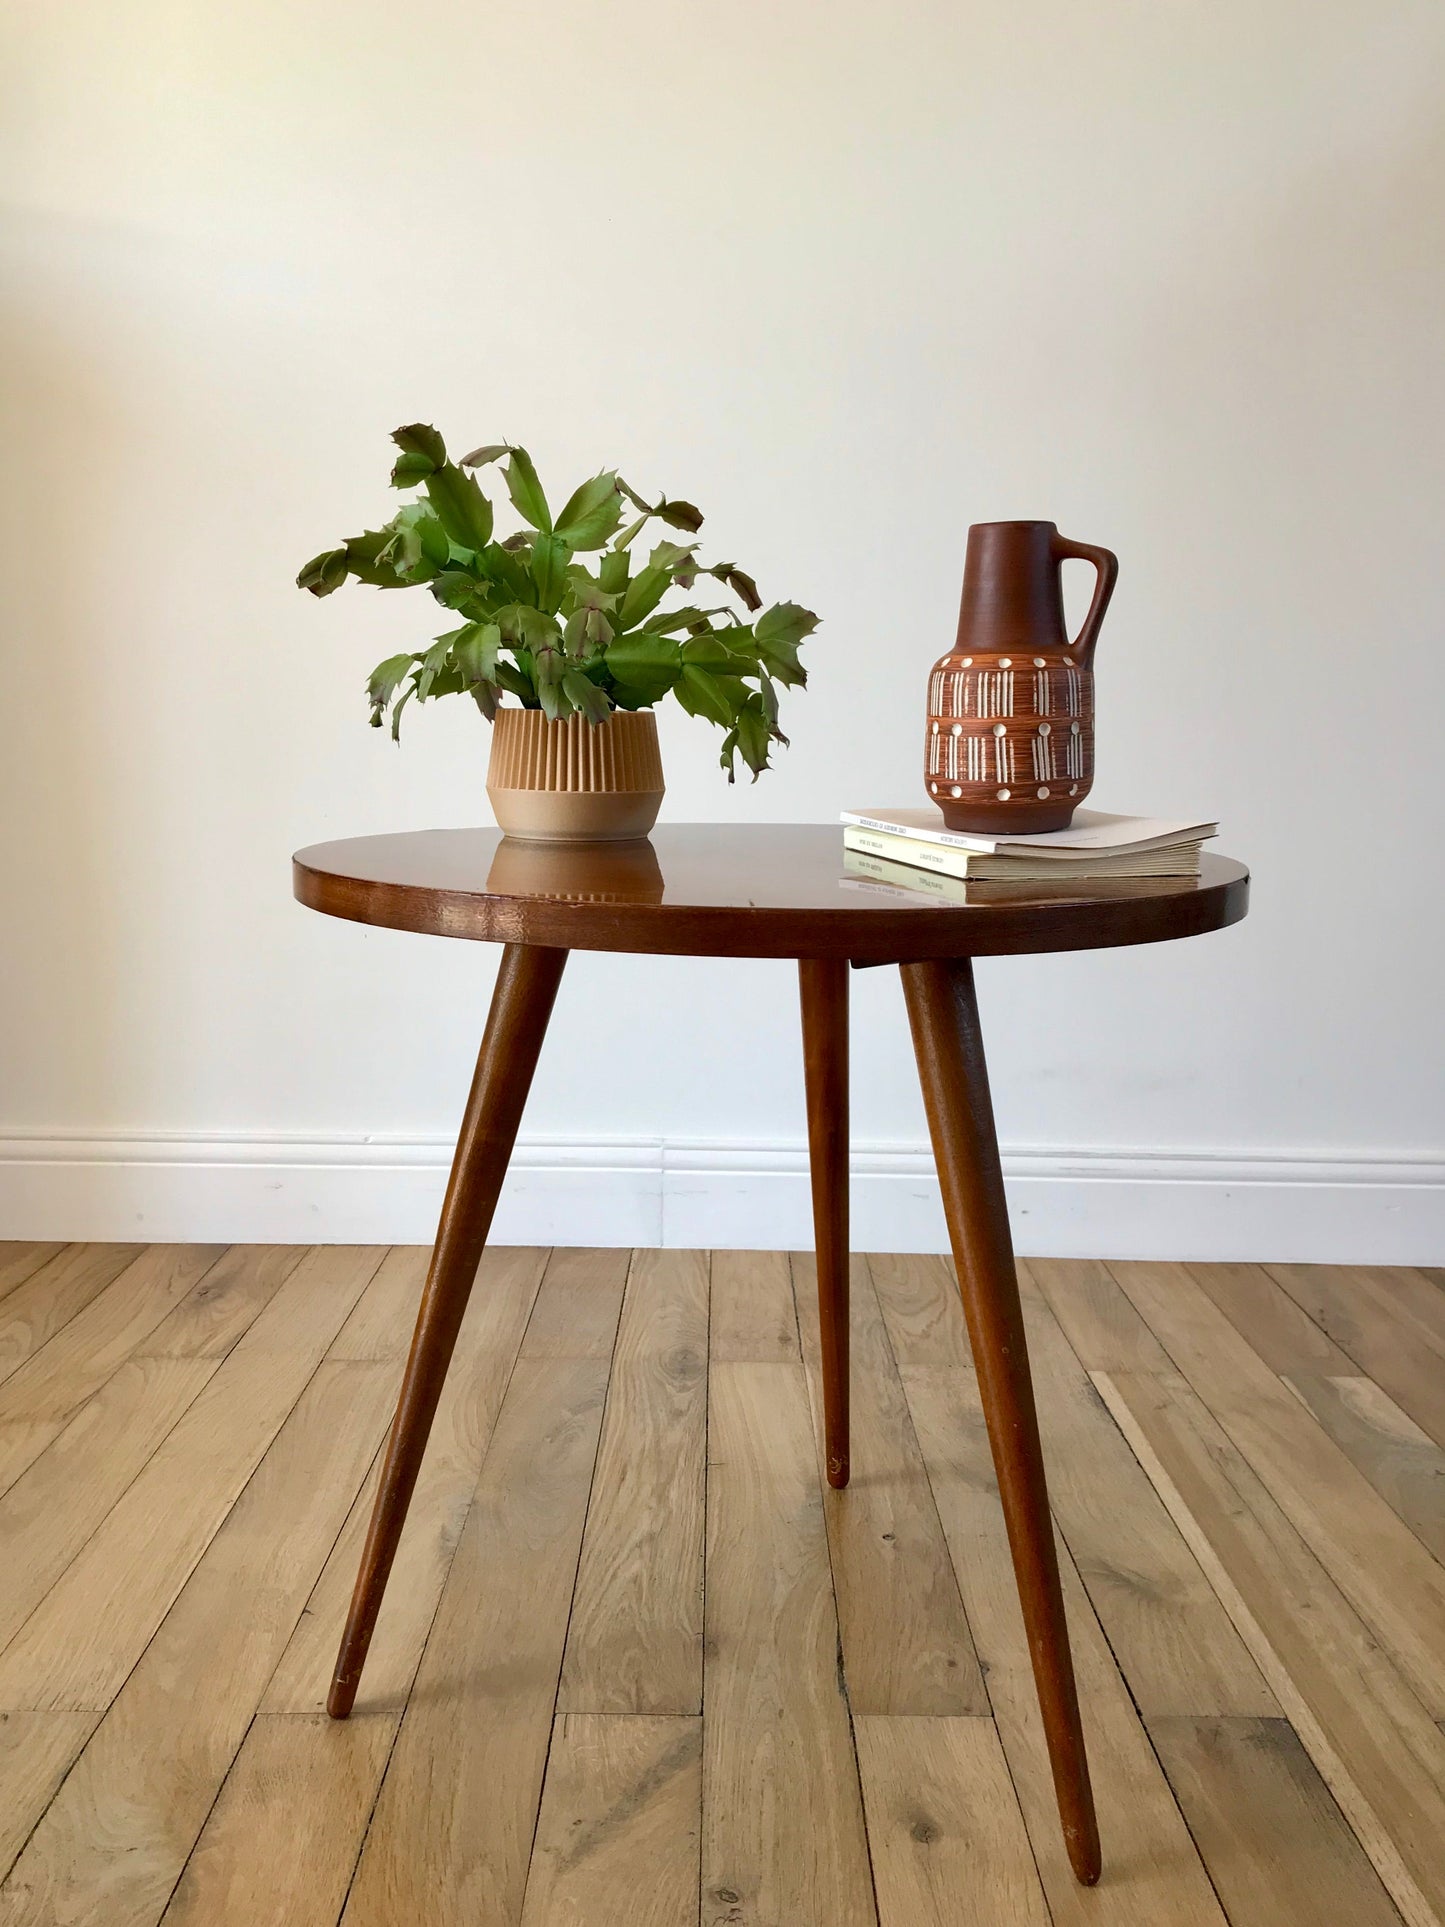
912, 851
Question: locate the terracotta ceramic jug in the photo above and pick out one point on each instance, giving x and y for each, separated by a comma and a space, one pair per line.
1010, 742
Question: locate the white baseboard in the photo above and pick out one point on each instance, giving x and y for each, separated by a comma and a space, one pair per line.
1302, 1207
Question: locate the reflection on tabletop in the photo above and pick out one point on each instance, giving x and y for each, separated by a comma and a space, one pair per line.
627, 872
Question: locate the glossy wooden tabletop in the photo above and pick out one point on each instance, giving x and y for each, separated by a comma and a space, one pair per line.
730, 890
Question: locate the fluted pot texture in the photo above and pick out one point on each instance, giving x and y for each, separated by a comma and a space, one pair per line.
573, 781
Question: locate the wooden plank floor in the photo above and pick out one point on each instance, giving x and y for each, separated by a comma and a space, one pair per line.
639, 1667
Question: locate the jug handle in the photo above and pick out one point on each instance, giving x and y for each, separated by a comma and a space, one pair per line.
1107, 565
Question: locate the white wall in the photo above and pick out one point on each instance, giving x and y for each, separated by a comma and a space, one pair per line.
852, 277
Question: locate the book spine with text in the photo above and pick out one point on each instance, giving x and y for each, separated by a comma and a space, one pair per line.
929, 839
902, 849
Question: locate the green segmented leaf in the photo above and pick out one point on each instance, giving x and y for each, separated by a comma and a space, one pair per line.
679, 515
592, 513
703, 694
644, 662
435, 542
475, 649
456, 589
644, 592
739, 581
585, 591
527, 626
432, 665
612, 571
586, 631
554, 700
550, 557
324, 573
549, 665
422, 451
776, 635
363, 559
769, 696
584, 695
480, 457
517, 683
753, 738
462, 509
786, 622
526, 491
710, 652
668, 621
633, 528
383, 682
507, 570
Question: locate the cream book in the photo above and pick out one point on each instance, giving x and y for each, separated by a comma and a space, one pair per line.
900, 852
908, 884
1092, 834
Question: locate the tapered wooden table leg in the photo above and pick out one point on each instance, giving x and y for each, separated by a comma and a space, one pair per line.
943, 1013
823, 984
516, 1024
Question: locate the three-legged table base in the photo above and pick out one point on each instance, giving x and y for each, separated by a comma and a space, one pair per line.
943, 1014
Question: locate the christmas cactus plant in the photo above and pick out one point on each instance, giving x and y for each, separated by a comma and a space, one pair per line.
563, 615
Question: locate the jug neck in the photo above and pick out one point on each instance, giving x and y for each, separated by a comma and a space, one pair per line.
1012, 599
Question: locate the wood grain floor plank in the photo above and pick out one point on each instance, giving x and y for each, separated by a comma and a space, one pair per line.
180, 1535
1404, 1464
382, 1324
46, 1302
20, 1258
1173, 1640
1348, 1302
906, 1643
37, 1750
924, 1313
752, 1309
80, 1358
1409, 1298
617, 1837
303, 1785
452, 1831
783, 1835
50, 1512
1101, 1324
1372, 1556
1272, 1838
113, 1842
1374, 1744
635, 1641
576, 1311
227, 1302
487, 1344
948, 1842
1262, 1311
52, 1386
79, 1646
1152, 1872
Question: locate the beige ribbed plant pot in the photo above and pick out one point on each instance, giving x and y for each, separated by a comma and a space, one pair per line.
575, 781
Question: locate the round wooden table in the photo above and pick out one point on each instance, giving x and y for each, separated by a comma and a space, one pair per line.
759, 891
